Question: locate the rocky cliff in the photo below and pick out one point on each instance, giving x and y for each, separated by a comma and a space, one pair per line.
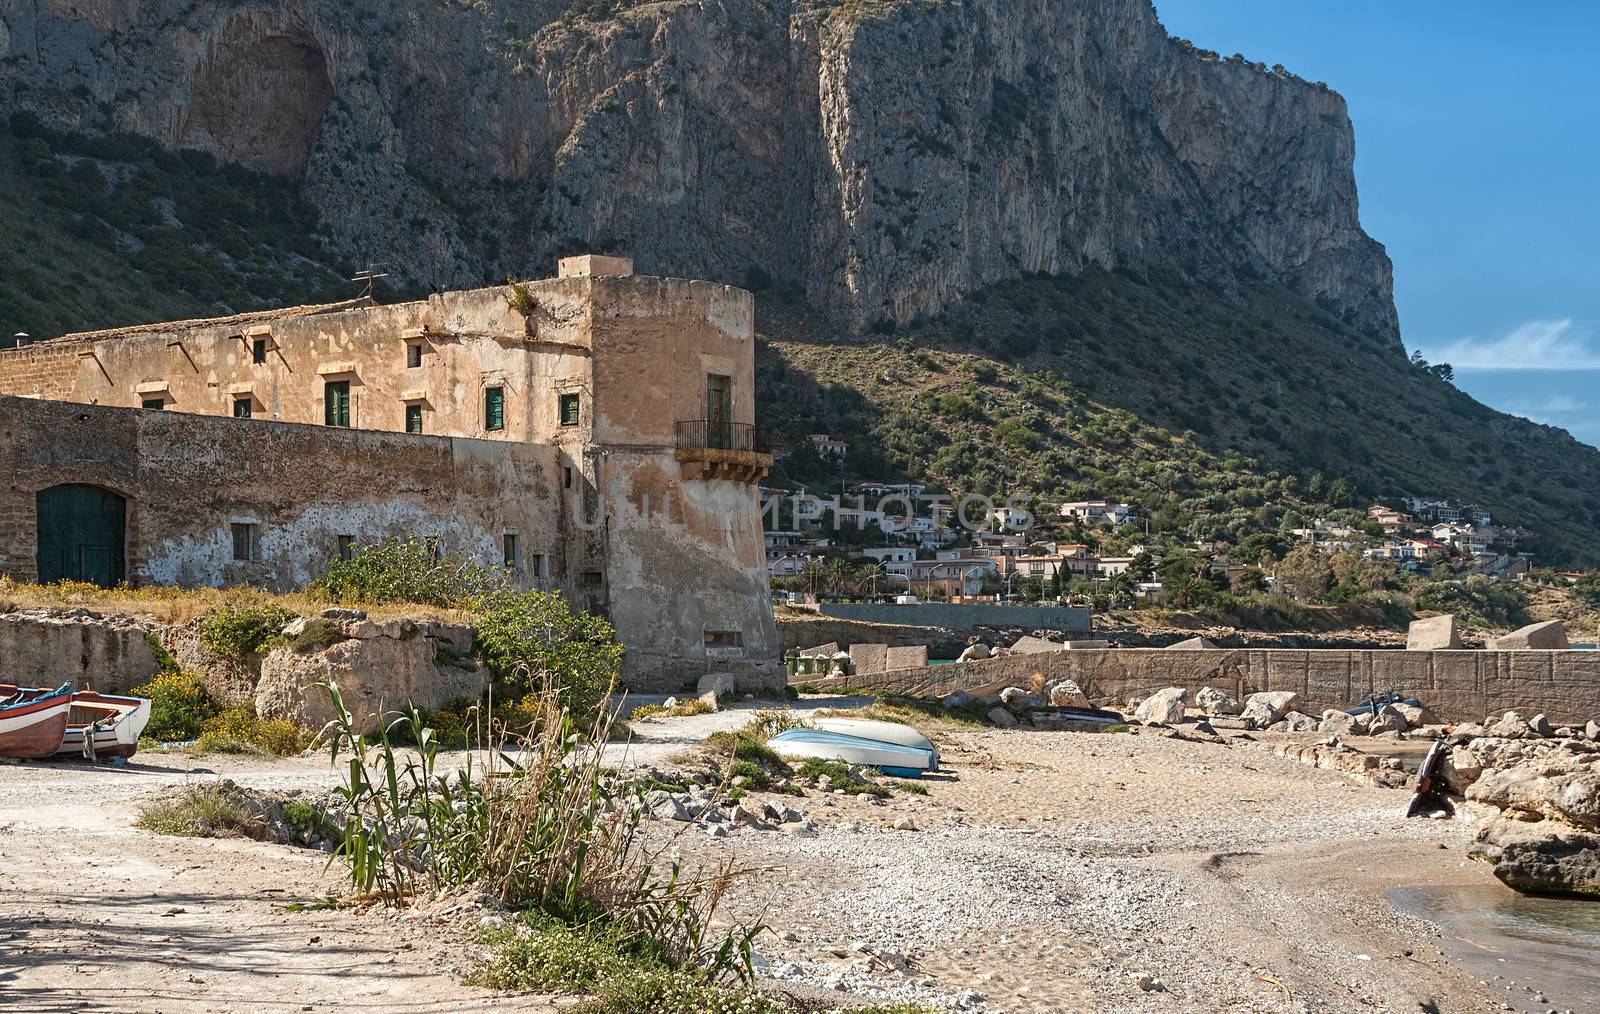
887, 156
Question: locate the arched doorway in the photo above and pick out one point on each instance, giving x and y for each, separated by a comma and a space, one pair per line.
81, 535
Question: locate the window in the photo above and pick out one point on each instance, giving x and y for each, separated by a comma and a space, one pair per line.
258, 351
244, 542
570, 411
591, 577
566, 476
724, 639
539, 565
509, 544
154, 404
242, 408
494, 408
413, 418
347, 547
336, 403
413, 355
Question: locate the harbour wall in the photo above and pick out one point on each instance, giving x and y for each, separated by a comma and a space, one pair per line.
1459, 686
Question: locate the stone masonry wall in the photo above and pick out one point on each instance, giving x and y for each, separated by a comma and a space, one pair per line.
108, 654
1459, 686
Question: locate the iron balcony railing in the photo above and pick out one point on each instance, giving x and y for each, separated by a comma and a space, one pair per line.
723, 436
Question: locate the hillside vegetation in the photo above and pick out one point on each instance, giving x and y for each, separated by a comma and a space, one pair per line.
1217, 412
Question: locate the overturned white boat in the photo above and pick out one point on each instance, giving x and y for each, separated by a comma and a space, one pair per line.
891, 758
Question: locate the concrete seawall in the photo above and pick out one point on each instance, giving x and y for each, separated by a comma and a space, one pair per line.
1460, 686
961, 616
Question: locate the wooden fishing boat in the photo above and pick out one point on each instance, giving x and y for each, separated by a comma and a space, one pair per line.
890, 758
33, 722
104, 726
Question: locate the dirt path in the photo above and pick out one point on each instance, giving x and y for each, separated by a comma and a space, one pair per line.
97, 915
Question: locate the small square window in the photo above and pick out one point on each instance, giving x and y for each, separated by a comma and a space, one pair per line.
413, 355
570, 411
539, 565
258, 351
244, 543
591, 577
347, 547
413, 418
494, 408
509, 544
154, 404
724, 639
566, 476
242, 407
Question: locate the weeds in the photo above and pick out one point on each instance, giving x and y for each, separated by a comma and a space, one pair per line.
197, 812
319, 633
839, 777
238, 730
241, 628
179, 706
683, 709
551, 832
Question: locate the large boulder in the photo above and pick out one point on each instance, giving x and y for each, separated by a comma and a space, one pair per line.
1268, 707
974, 653
1067, 694
1551, 635
1165, 706
714, 685
1511, 726
1018, 699
1435, 633
1417, 715
1387, 719
375, 676
1216, 702
1541, 857
1192, 644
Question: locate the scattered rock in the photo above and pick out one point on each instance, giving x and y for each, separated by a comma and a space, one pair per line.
1511, 726
974, 652
1417, 715
1540, 724
1270, 706
343, 615
1003, 718
1067, 694
905, 824
1216, 702
1018, 699
1164, 707
363, 630
1592, 730
1387, 719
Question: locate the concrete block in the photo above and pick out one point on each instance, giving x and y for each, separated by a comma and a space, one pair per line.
869, 658
1551, 635
1192, 644
909, 657
1435, 633
1030, 645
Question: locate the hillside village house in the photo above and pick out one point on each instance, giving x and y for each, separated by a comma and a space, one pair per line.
1390, 520
1095, 512
592, 433
827, 446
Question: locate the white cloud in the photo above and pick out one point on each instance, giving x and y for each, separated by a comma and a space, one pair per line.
1536, 345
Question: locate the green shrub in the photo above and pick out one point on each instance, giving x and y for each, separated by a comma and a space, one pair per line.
537, 634
406, 570
179, 706
319, 633
310, 820
237, 631
238, 730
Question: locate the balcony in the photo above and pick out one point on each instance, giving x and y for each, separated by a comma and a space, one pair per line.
723, 450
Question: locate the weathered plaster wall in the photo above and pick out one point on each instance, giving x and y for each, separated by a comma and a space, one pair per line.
1459, 686
188, 479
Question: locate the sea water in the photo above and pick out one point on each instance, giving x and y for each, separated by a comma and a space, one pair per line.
1549, 944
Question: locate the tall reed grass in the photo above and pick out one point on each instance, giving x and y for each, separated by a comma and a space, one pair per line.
535, 820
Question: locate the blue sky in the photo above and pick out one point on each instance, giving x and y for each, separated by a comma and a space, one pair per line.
1478, 162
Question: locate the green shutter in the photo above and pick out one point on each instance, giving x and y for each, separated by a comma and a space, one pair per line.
413, 418
570, 411
494, 408
336, 403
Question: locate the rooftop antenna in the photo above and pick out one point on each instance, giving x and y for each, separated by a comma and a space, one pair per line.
369, 275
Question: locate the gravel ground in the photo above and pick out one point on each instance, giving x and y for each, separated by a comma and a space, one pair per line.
1049, 872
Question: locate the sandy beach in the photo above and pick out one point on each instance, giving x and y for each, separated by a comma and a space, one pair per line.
1048, 871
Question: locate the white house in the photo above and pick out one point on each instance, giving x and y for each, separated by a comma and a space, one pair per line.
1093, 512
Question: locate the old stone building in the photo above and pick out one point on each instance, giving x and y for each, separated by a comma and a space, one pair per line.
593, 433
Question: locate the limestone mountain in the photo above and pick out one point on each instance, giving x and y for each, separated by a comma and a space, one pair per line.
996, 242
887, 156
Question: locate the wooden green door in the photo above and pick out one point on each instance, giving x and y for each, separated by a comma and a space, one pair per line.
719, 410
81, 535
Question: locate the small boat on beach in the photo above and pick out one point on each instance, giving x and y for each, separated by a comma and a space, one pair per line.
890, 758
33, 722
104, 726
